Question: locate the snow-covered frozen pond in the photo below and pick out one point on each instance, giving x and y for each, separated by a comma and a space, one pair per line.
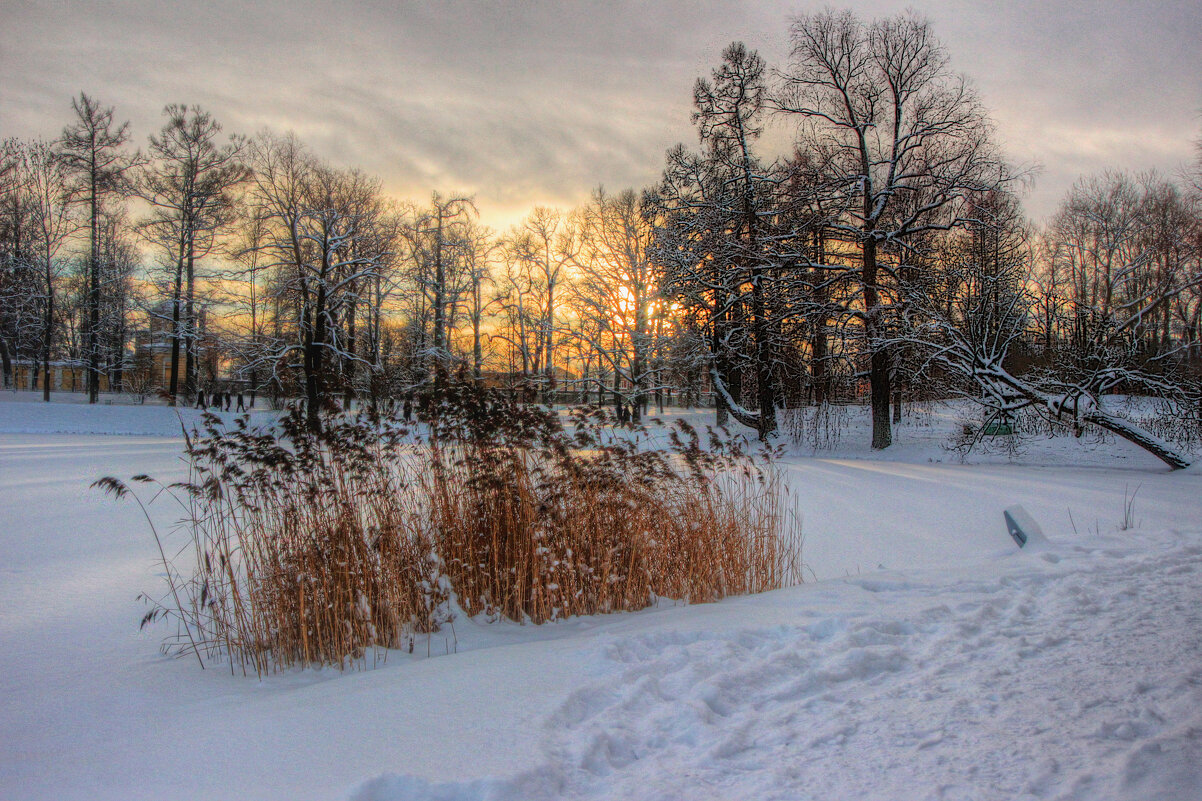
929, 659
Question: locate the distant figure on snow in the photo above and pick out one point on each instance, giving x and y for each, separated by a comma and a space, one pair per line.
241, 405
200, 399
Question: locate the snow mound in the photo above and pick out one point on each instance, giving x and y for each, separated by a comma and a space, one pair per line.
1077, 676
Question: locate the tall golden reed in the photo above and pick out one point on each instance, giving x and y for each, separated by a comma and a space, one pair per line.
328, 548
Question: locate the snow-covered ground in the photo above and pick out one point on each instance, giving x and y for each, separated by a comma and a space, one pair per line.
927, 657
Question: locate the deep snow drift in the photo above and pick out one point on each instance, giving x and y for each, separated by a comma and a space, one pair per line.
928, 658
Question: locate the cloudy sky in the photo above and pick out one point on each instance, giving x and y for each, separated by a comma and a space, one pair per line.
526, 103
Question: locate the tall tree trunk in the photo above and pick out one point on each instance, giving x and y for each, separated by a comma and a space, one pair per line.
879, 366
6, 364
47, 333
314, 359
191, 365
176, 301
549, 368
765, 397
618, 393
878, 379
351, 365
94, 298
819, 378
440, 300
819, 375
718, 352
722, 369
477, 351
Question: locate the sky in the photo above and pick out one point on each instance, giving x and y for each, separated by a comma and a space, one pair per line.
524, 102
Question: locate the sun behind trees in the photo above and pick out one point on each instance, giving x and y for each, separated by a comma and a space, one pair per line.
882, 257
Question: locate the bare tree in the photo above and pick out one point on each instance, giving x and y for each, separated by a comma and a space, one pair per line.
1115, 241
46, 185
441, 245
188, 184
248, 290
479, 249
92, 150
120, 261
717, 243
15, 255
517, 297
317, 221
547, 242
614, 294
911, 145
728, 113
376, 245
1113, 297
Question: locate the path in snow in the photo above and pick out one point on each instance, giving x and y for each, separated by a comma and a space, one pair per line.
1074, 673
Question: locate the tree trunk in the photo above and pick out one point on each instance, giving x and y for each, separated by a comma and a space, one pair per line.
118, 369
311, 360
1090, 414
819, 379
734, 409
765, 396
173, 378
618, 411
439, 306
879, 383
878, 371
720, 370
94, 299
1158, 448
191, 366
351, 365
6, 364
477, 349
47, 332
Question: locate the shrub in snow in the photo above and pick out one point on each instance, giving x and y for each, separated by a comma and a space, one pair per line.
323, 547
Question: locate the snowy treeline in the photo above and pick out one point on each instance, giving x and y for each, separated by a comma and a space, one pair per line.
886, 256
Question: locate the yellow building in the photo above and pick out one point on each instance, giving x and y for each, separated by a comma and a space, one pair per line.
64, 376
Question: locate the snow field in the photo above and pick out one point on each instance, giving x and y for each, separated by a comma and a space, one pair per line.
69, 413
1051, 678
929, 660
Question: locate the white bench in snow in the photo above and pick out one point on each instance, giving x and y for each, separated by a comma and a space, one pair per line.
1022, 526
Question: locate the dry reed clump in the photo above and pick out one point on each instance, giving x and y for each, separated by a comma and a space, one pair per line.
301, 548
322, 548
